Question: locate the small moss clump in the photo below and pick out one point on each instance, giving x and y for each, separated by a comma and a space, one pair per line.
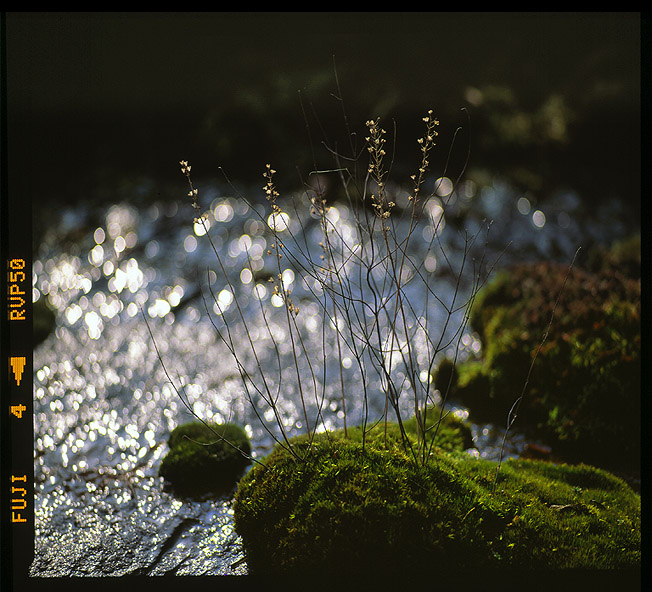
205, 457
376, 511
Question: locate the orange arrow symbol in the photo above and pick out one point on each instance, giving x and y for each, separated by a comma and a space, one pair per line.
17, 410
17, 365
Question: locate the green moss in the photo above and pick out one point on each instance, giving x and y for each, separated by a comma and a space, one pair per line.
205, 458
451, 434
583, 395
376, 511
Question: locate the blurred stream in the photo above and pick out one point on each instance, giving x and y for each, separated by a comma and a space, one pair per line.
104, 407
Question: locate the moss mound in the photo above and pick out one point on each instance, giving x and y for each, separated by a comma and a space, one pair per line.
376, 512
583, 396
205, 457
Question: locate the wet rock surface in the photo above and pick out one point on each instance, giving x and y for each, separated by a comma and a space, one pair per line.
113, 525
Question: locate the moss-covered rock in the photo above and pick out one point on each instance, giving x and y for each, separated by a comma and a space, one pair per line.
205, 457
583, 395
375, 511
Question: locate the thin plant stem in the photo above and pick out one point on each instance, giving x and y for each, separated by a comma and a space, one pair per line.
513, 412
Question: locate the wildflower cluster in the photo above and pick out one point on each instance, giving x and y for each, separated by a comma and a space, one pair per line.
284, 294
426, 143
272, 194
270, 191
376, 142
193, 193
318, 206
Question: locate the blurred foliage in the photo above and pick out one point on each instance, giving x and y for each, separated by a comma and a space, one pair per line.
584, 393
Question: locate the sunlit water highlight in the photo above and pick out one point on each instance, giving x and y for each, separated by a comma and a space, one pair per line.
103, 404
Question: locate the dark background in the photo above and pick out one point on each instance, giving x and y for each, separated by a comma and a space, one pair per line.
101, 104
